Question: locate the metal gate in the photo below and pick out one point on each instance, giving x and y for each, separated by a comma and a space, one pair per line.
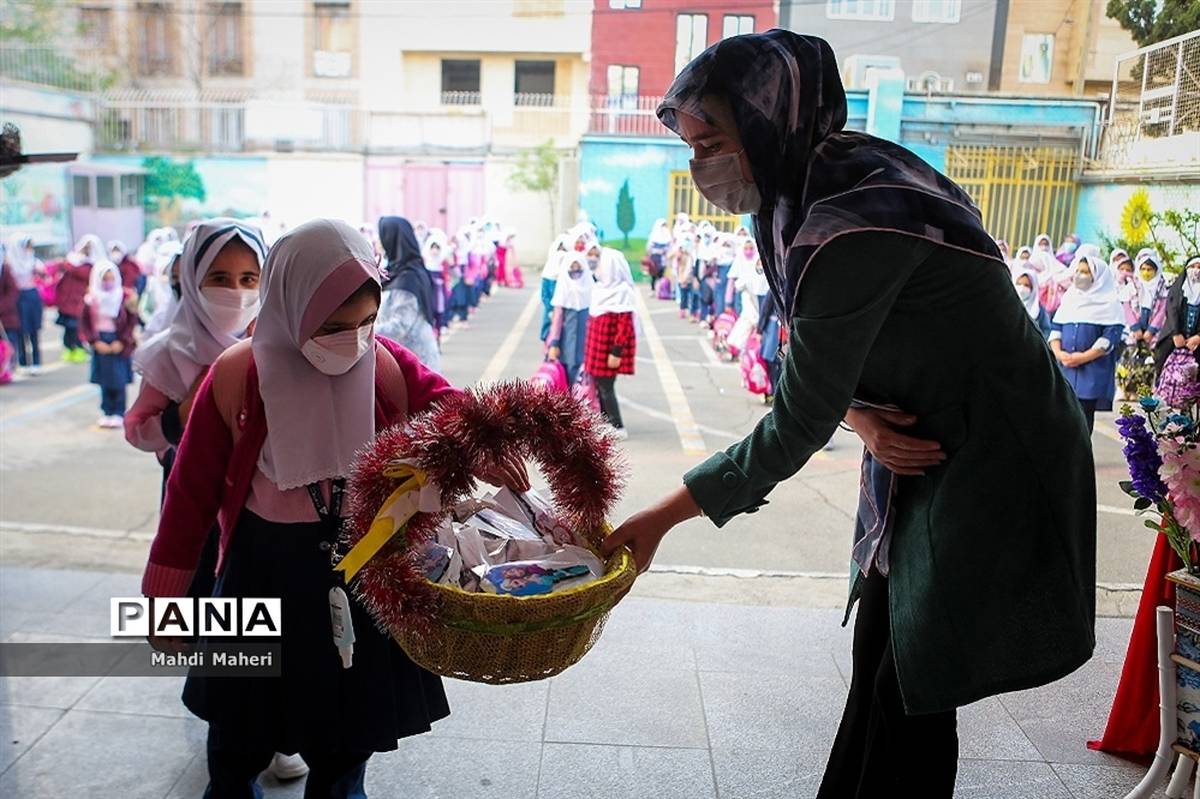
685, 198
1020, 191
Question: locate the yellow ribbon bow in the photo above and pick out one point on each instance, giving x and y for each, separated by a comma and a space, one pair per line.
415, 495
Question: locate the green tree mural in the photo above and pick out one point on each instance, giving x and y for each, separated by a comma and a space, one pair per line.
167, 185
626, 217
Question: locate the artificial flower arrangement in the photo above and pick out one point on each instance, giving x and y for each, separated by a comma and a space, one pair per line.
1162, 449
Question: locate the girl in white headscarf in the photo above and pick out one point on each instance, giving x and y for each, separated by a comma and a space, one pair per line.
1177, 352
750, 284
25, 269
218, 272
657, 246
1152, 296
550, 275
158, 303
109, 326
566, 341
1025, 281
611, 347
273, 433
1086, 330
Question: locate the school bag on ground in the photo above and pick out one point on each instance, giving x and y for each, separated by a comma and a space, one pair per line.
552, 376
1178, 385
755, 377
584, 391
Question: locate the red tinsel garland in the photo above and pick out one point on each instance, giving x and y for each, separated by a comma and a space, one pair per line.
452, 443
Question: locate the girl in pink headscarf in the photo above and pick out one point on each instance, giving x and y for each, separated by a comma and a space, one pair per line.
273, 431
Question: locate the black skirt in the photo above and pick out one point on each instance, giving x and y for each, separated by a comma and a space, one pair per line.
315, 704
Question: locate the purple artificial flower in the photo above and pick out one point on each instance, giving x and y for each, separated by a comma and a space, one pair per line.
1141, 453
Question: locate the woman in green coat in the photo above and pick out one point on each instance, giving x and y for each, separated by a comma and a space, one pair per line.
881, 264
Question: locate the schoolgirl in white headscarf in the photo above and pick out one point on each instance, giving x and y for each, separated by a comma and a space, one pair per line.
550, 275
1152, 295
572, 298
611, 348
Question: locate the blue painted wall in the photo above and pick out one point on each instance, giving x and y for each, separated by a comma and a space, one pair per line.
925, 125
1101, 204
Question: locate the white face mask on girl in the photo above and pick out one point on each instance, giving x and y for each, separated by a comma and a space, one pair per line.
1024, 292
719, 178
336, 353
231, 310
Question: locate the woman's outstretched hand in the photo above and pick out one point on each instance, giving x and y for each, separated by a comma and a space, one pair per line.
902, 454
508, 472
643, 531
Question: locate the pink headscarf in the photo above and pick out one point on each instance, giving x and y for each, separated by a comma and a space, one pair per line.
315, 422
173, 359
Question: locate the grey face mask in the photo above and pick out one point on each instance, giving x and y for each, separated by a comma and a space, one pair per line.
1083, 282
719, 178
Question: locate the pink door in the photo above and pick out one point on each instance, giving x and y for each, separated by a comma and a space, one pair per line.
425, 189
384, 189
464, 194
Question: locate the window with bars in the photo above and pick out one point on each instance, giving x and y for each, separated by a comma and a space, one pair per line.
876, 10
132, 190
225, 54
460, 81
944, 11
334, 45
534, 77
106, 192
691, 37
155, 39
95, 26
736, 25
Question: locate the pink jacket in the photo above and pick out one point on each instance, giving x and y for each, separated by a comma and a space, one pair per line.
215, 463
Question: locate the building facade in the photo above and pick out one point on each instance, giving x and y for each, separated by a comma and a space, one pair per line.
940, 45
639, 46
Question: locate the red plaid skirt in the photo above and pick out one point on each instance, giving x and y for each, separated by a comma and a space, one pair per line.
603, 334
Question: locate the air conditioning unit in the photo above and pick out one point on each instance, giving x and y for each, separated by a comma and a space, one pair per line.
856, 67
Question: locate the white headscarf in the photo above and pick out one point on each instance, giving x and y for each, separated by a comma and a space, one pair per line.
554, 257
1090, 250
315, 422
1099, 305
574, 294
107, 302
21, 260
1117, 256
1191, 290
1149, 290
174, 358
614, 291
438, 238
159, 287
1032, 306
660, 234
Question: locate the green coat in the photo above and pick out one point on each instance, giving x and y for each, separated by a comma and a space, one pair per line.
992, 563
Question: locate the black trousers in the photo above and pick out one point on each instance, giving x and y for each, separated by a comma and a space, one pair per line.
1089, 412
880, 750
234, 765
606, 392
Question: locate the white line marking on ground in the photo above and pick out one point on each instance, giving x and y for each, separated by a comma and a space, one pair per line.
700, 364
55, 401
681, 412
70, 529
709, 353
666, 417
503, 355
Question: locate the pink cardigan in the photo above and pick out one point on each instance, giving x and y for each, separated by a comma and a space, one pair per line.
211, 477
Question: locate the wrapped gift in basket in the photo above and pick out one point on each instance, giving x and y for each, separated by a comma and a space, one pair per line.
501, 589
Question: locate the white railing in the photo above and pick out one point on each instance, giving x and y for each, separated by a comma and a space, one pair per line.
73, 69
626, 115
1154, 110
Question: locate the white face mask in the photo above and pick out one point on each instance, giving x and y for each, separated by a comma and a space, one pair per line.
719, 178
231, 310
1083, 282
1024, 292
336, 353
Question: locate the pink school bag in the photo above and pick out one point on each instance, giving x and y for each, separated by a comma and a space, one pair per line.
722, 327
755, 377
551, 375
584, 391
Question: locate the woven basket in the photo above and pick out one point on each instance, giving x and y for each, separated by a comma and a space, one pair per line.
482, 637
498, 639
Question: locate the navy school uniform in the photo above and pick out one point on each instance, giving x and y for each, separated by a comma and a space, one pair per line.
1095, 380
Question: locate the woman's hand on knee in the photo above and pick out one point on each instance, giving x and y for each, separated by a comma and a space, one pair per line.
900, 453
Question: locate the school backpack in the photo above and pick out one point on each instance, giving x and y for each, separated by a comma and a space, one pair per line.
1051, 295
755, 377
665, 290
551, 375
1178, 385
721, 328
584, 391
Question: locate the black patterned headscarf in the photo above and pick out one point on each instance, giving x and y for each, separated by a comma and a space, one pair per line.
817, 180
